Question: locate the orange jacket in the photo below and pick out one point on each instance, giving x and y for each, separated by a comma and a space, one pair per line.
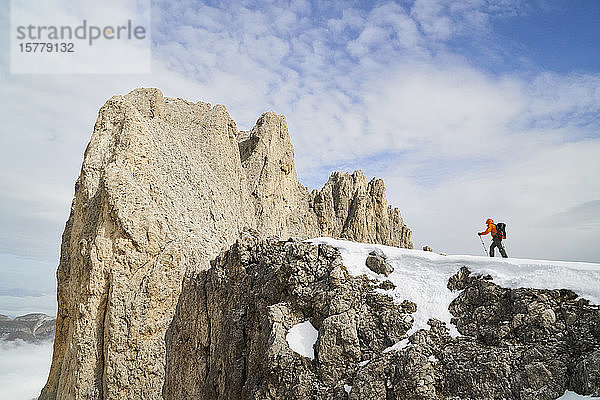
491, 227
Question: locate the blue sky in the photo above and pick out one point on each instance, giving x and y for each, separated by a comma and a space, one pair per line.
467, 109
560, 36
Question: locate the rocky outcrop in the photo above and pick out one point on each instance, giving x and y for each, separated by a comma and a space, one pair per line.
30, 328
280, 201
516, 344
158, 177
228, 339
348, 207
377, 263
164, 185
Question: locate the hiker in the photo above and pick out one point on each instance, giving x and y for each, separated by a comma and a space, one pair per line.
497, 236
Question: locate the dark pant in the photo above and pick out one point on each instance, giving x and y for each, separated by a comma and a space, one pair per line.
497, 242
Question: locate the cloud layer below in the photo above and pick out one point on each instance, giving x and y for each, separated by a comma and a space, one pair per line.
23, 369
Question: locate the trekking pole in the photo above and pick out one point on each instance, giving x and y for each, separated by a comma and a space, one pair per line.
483, 244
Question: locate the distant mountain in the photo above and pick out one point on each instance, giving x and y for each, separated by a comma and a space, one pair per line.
31, 328
19, 292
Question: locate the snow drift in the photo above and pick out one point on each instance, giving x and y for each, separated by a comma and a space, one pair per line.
422, 276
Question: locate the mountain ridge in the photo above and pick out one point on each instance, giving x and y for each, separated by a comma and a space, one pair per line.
165, 184
432, 328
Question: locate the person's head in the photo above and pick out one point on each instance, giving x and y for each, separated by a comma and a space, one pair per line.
489, 221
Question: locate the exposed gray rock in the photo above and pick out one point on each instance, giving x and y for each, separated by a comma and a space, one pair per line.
586, 375
228, 336
164, 186
386, 285
378, 252
31, 328
517, 344
378, 264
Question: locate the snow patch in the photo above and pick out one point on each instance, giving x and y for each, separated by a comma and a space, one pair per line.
347, 388
574, 396
400, 345
422, 276
301, 338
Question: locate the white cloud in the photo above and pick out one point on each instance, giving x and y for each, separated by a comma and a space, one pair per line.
450, 110
351, 19
386, 29
583, 216
370, 36
559, 100
526, 195
429, 14
23, 369
14, 306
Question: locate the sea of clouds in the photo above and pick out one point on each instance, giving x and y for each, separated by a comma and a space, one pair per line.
24, 368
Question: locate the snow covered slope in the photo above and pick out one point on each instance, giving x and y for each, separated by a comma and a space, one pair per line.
574, 396
422, 276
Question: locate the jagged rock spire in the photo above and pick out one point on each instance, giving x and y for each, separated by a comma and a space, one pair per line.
165, 184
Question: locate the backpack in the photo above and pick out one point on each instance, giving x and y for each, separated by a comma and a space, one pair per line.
501, 230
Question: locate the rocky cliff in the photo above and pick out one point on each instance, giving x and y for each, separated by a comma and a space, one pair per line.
230, 336
228, 339
349, 207
527, 344
166, 184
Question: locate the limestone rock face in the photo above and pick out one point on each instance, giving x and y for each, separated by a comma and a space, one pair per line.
228, 339
165, 185
158, 177
279, 200
517, 344
348, 207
